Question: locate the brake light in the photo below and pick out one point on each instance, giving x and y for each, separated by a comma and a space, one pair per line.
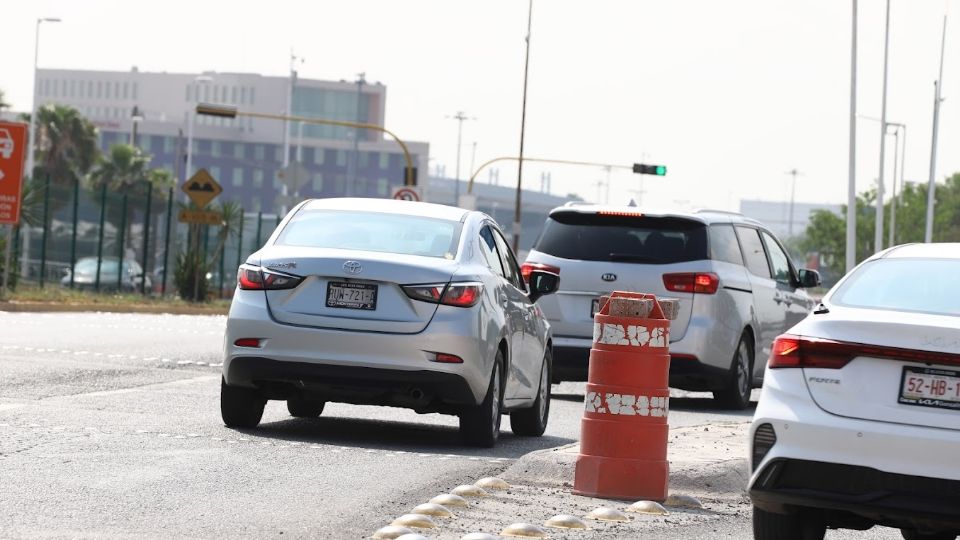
255, 278
527, 268
452, 294
690, 282
791, 351
462, 294
619, 213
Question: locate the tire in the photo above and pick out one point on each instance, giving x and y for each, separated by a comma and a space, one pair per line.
739, 383
910, 534
301, 408
770, 526
240, 407
480, 424
532, 422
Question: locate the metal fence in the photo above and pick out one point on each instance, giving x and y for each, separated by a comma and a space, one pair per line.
78, 228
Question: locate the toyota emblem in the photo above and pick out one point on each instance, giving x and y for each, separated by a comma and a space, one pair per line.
352, 267
609, 277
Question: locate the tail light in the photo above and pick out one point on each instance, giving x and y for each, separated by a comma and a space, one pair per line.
527, 268
451, 294
255, 278
690, 282
791, 351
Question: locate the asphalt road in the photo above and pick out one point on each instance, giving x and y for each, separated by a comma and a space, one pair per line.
110, 427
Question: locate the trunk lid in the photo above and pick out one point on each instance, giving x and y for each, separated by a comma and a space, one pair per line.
324, 273
870, 386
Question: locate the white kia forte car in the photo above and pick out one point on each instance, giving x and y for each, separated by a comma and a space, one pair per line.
384, 302
859, 421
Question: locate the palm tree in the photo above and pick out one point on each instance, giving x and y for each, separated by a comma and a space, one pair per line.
66, 144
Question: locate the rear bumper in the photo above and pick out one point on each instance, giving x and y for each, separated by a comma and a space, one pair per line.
571, 358
421, 390
896, 500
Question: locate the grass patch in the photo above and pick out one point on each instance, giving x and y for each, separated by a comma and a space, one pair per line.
54, 294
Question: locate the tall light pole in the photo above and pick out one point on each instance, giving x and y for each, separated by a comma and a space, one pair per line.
523, 125
794, 173
878, 230
894, 198
354, 165
459, 117
851, 250
197, 81
931, 185
32, 136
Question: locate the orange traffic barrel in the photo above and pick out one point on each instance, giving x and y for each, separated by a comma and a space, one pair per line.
623, 434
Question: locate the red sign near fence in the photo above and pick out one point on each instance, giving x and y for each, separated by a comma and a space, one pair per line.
13, 142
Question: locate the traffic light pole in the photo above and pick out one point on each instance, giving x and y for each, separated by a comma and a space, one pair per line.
639, 168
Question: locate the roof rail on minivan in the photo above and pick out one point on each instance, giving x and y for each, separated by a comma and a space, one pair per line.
577, 203
714, 211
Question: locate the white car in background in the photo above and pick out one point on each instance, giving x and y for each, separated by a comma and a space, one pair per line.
859, 421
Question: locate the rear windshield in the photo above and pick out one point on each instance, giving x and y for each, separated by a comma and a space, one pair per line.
372, 231
922, 285
645, 239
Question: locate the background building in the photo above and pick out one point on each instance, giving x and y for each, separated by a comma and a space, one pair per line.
776, 215
243, 154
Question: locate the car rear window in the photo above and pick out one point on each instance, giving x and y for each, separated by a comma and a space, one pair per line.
921, 285
372, 231
641, 239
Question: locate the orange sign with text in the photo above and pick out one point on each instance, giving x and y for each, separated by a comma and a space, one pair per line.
13, 142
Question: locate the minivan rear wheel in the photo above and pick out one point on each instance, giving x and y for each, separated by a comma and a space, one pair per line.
739, 381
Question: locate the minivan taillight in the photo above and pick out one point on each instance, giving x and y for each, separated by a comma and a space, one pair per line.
527, 268
692, 282
790, 351
255, 278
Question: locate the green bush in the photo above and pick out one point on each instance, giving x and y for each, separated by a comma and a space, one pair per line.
189, 276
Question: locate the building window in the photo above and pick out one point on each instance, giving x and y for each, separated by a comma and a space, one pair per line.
116, 89
216, 148
318, 155
278, 154
383, 186
136, 90
126, 90
215, 172
253, 96
256, 206
80, 89
145, 143
360, 187
99, 89
258, 152
89, 89
168, 145
339, 183
384, 160
233, 95
238, 150
364, 160
243, 95
258, 178
277, 185
317, 182
237, 176
341, 158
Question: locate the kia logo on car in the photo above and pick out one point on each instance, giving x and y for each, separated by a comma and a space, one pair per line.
609, 277
352, 267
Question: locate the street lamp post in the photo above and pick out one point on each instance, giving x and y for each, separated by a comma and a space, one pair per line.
900, 156
794, 173
459, 117
878, 230
32, 136
851, 243
523, 125
931, 185
200, 79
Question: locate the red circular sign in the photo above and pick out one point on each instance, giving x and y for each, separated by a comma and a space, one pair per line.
406, 194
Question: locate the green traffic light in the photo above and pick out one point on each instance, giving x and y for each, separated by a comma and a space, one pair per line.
661, 170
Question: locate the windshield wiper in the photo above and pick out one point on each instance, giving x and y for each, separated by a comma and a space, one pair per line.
630, 257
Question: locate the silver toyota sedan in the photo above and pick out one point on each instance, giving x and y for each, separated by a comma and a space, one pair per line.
397, 303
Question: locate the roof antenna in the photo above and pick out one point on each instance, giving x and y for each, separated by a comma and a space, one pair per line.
632, 203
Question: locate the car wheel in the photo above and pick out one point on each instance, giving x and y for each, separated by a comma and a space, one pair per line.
240, 407
770, 526
302, 408
532, 422
736, 393
910, 534
480, 424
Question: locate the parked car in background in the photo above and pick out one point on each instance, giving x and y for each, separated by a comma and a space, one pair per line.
737, 288
85, 275
395, 303
859, 421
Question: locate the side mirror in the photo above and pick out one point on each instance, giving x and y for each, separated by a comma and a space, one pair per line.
809, 278
543, 283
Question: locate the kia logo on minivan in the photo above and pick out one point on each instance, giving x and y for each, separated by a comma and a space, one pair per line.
609, 277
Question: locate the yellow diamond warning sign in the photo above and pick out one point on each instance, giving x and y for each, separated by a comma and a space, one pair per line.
202, 188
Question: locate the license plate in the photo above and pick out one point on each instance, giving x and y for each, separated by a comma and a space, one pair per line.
930, 387
351, 296
594, 307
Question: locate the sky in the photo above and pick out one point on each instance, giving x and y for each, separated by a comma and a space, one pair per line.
728, 95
